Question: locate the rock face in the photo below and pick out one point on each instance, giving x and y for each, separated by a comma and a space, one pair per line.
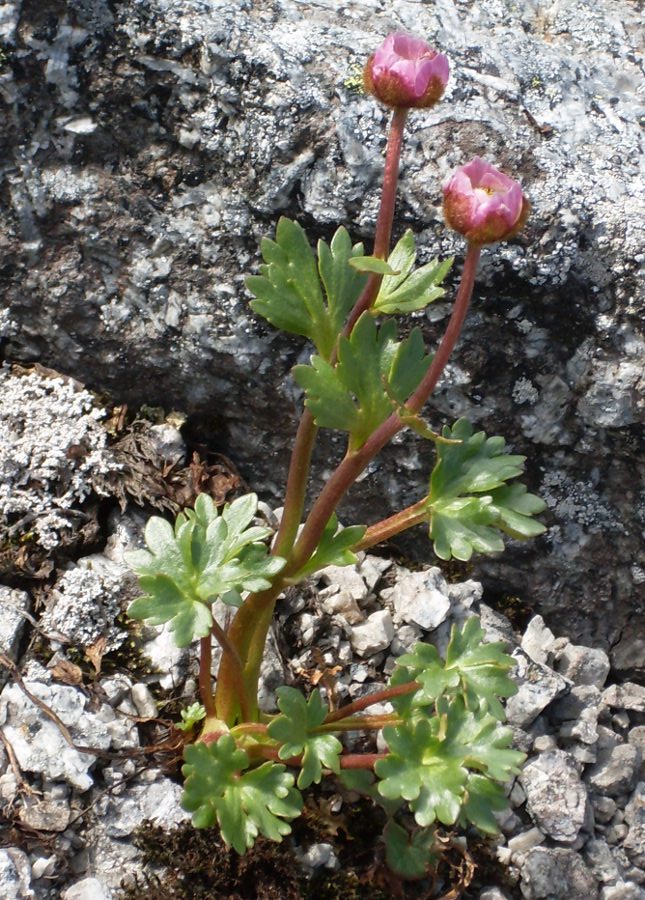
147, 147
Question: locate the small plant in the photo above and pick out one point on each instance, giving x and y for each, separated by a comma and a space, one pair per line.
448, 755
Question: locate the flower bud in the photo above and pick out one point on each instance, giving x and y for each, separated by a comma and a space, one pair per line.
405, 72
483, 204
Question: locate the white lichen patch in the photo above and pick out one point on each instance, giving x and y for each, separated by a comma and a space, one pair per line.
52, 446
577, 503
524, 391
84, 605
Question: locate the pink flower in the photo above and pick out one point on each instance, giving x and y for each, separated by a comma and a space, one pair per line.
405, 72
483, 204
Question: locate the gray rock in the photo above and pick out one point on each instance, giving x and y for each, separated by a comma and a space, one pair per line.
636, 737
601, 861
520, 844
556, 796
372, 568
85, 602
45, 815
635, 808
493, 893
615, 771
272, 675
87, 889
160, 199
38, 743
603, 808
625, 696
578, 712
319, 856
168, 443
374, 634
168, 662
420, 598
156, 799
552, 874
622, 890
13, 606
538, 687
538, 640
607, 738
405, 637
346, 579
634, 844
584, 665
341, 603
15, 875
43, 867
465, 593
144, 701
42, 481
496, 625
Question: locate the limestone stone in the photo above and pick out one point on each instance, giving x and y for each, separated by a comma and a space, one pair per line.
420, 598
538, 687
549, 873
556, 795
584, 665
615, 771
628, 696
374, 634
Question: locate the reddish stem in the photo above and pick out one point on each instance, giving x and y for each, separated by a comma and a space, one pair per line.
383, 232
400, 690
350, 761
296, 490
388, 528
205, 659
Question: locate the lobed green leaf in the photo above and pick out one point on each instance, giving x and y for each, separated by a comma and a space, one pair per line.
375, 372
333, 548
432, 761
410, 855
207, 555
476, 670
470, 506
408, 290
289, 290
244, 804
293, 730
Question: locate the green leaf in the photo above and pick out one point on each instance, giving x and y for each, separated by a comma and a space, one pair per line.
333, 548
372, 264
165, 602
431, 762
245, 804
514, 507
343, 285
424, 665
481, 741
477, 670
408, 290
191, 716
409, 855
204, 557
482, 667
293, 730
289, 293
482, 798
373, 374
470, 506
419, 770
360, 780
